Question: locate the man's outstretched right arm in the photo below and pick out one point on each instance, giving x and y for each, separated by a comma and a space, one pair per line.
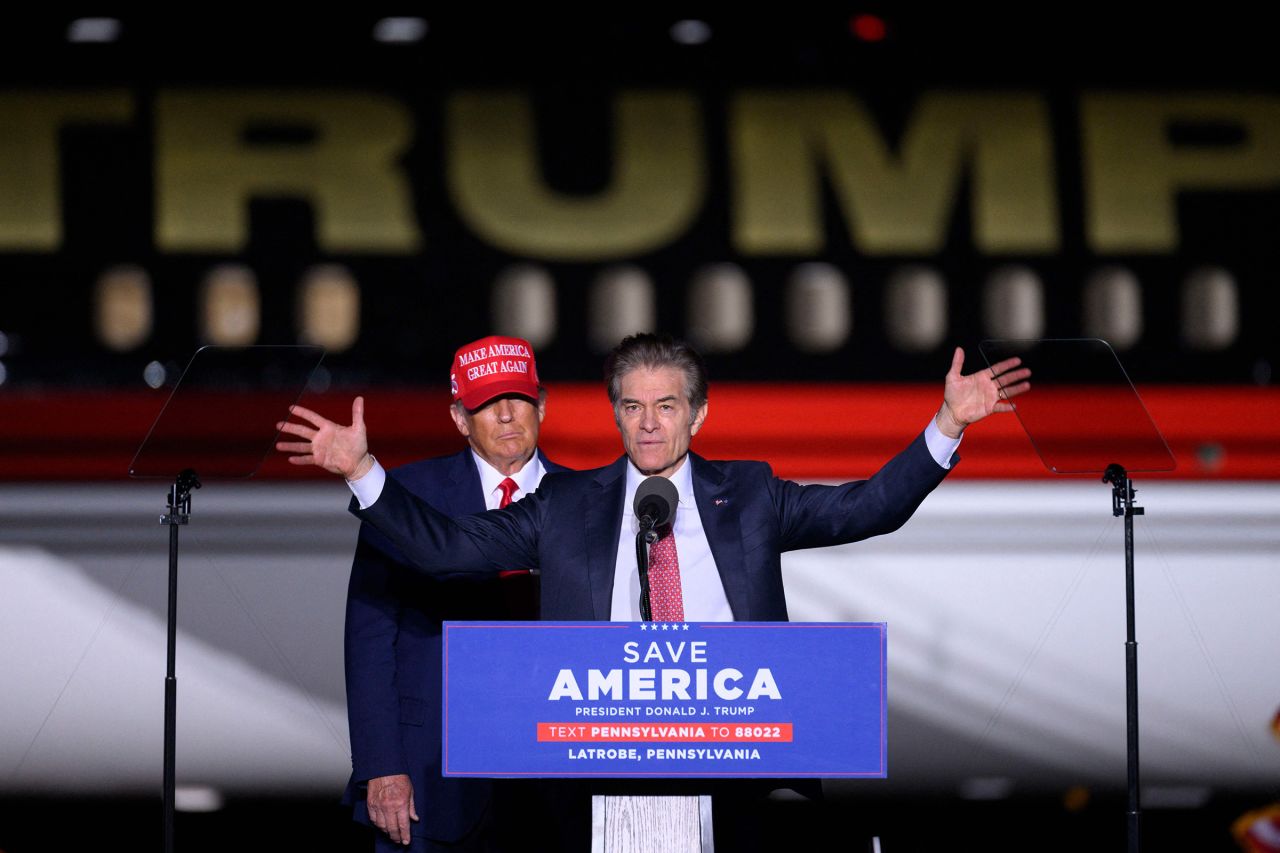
487, 542
433, 542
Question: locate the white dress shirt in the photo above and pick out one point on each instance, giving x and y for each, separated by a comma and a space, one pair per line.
700, 586
527, 479
368, 488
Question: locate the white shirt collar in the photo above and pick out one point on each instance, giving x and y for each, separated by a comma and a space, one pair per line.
681, 478
527, 478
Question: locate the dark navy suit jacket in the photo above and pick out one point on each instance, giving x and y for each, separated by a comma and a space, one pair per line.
569, 528
393, 653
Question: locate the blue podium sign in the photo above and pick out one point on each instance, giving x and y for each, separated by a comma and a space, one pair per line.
645, 699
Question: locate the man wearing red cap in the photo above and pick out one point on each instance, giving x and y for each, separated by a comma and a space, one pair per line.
718, 560
393, 616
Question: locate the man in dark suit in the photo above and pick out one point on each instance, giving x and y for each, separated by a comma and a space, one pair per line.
732, 522
393, 627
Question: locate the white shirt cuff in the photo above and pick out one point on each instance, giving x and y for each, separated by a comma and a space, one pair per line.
941, 448
368, 488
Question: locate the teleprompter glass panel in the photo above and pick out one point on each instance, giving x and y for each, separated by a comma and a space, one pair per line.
220, 420
1082, 412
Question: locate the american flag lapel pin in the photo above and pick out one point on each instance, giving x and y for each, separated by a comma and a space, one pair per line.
721, 501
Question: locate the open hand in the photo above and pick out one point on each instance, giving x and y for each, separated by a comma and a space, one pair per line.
969, 399
335, 448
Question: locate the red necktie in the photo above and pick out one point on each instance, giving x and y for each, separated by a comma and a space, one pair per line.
508, 487
665, 598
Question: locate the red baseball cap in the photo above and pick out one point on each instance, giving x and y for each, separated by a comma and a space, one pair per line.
493, 366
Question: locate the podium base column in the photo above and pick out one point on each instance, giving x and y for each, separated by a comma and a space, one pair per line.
651, 824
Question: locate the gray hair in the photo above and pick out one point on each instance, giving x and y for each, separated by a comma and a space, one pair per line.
652, 352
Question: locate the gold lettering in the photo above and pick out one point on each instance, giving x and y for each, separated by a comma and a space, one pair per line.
894, 202
657, 186
1133, 173
206, 173
30, 173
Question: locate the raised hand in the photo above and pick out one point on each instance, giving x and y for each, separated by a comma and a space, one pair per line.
335, 448
969, 399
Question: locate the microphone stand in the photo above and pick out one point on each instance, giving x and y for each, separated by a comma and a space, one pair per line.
646, 537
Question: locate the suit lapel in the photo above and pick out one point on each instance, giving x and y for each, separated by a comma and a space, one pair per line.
721, 523
465, 493
603, 513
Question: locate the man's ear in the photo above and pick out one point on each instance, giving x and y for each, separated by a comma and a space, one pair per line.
698, 418
460, 421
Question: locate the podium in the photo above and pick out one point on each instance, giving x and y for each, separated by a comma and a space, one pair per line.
651, 824
646, 705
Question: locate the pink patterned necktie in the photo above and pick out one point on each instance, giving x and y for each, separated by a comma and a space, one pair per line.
665, 598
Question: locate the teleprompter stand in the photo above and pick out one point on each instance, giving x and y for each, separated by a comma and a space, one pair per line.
179, 513
1122, 492
1084, 416
219, 423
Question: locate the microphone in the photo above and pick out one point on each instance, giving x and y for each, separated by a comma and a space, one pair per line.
655, 503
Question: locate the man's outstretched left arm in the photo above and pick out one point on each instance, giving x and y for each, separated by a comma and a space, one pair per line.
816, 516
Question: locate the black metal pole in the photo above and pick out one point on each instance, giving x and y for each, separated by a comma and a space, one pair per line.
1122, 497
171, 687
644, 539
179, 513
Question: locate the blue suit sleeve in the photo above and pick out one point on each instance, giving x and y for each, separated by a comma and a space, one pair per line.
816, 516
483, 543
